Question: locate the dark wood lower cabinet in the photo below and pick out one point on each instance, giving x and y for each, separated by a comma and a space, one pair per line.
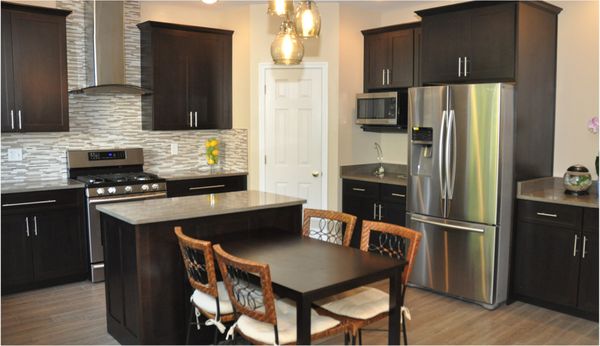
17, 261
202, 186
555, 257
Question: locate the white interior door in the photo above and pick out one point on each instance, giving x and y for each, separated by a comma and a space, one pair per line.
293, 134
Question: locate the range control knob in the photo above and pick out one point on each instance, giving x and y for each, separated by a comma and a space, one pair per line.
128, 189
145, 187
154, 186
100, 190
112, 190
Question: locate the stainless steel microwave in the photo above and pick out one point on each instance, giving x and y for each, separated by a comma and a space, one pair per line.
382, 108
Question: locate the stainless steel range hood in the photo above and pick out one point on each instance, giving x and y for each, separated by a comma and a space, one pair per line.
104, 50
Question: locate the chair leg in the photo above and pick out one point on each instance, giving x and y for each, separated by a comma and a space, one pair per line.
346, 338
189, 326
216, 336
360, 337
404, 331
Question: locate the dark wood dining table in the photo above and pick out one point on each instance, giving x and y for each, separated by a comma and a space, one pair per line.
306, 270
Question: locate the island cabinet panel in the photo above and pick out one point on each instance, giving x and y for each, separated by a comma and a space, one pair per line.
191, 187
43, 239
188, 69
34, 69
555, 257
147, 292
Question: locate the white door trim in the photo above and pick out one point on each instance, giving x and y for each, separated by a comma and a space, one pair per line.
262, 72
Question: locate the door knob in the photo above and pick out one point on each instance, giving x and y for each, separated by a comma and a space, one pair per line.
315, 173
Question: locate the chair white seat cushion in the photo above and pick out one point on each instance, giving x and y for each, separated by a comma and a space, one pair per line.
360, 303
286, 324
208, 303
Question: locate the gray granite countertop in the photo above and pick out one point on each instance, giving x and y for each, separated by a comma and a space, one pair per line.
197, 174
41, 185
551, 190
190, 207
394, 174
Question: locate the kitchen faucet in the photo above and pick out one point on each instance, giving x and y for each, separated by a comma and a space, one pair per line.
379, 171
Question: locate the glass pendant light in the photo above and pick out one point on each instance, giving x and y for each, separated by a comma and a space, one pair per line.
287, 49
281, 8
308, 19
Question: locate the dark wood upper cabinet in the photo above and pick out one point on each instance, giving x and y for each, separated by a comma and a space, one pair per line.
188, 70
34, 69
390, 57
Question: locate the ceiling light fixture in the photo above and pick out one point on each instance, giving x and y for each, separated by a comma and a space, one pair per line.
281, 8
308, 19
209, 2
287, 49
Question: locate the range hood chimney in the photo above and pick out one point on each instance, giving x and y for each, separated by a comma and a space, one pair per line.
104, 50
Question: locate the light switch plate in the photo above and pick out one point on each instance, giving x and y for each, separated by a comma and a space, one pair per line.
174, 148
15, 154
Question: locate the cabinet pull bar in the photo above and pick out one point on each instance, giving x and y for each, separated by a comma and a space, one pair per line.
459, 66
29, 203
358, 189
379, 212
575, 245
35, 225
546, 214
584, 247
374, 211
20, 127
12, 119
27, 226
388, 76
383, 76
466, 71
206, 187
195, 119
398, 195
191, 119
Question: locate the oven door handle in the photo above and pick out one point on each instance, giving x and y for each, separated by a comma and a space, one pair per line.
128, 198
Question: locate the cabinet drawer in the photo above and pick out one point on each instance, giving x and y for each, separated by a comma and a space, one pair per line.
360, 188
203, 186
41, 199
590, 219
548, 213
393, 193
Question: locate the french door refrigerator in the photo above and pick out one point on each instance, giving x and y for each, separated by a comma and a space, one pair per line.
460, 189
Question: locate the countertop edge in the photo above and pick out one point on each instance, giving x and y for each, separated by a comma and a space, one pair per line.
195, 177
70, 184
550, 190
551, 201
384, 180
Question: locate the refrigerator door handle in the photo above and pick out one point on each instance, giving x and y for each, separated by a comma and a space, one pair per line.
447, 225
441, 157
451, 150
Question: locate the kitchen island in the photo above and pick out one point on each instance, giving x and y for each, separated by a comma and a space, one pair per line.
147, 292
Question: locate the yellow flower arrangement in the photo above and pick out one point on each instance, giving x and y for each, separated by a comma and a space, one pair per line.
212, 151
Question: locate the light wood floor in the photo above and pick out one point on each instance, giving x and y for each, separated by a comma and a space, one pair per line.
75, 314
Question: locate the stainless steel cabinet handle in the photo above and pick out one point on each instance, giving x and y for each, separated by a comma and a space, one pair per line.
546, 214
27, 226
445, 225
35, 225
191, 119
398, 195
358, 189
20, 124
575, 245
584, 247
380, 212
195, 119
374, 211
388, 76
459, 66
466, 71
29, 203
12, 119
206, 187
382, 76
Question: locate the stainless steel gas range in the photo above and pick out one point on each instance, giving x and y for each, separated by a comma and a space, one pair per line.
111, 176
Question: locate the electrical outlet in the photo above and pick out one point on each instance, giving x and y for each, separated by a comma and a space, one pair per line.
15, 154
174, 148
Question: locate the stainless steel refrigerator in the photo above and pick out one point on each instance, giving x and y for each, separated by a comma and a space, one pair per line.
460, 189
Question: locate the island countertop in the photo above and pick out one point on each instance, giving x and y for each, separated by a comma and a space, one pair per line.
181, 208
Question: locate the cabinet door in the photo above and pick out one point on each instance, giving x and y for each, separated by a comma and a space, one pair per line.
546, 265
210, 80
401, 51
491, 37
442, 46
39, 72
588, 275
8, 106
393, 213
363, 209
17, 266
58, 247
376, 61
171, 67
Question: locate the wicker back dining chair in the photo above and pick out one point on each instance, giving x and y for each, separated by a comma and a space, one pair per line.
251, 292
367, 305
330, 226
210, 298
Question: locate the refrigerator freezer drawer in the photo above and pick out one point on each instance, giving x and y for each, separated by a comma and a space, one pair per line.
455, 258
